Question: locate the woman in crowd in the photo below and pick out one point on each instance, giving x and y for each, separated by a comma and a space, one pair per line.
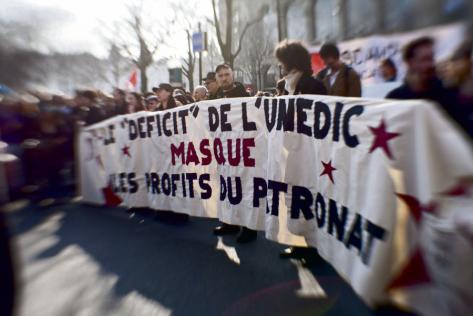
295, 64
134, 102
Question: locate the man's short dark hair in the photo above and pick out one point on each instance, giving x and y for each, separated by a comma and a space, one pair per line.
294, 56
223, 66
412, 46
329, 50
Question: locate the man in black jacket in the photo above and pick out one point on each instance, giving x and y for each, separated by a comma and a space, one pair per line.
339, 78
228, 88
421, 81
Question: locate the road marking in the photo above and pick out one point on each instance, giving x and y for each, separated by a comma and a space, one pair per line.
229, 251
310, 287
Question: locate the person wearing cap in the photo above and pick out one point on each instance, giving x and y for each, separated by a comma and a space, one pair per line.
227, 86
200, 93
164, 94
210, 82
151, 101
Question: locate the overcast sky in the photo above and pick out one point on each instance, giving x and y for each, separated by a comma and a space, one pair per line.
75, 25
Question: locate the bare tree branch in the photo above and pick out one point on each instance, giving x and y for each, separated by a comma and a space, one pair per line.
217, 26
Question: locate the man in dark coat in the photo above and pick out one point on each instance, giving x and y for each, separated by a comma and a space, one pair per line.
339, 78
421, 81
227, 86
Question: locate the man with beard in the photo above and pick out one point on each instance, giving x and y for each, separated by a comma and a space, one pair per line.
228, 88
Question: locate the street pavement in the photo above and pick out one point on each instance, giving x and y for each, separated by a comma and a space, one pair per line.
74, 259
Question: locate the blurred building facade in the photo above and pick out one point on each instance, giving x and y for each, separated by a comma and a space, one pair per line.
316, 21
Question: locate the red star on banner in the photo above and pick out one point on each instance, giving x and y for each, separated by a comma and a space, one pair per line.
111, 199
328, 170
459, 189
381, 138
415, 207
126, 151
413, 273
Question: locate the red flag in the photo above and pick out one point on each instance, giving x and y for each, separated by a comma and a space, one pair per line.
317, 63
133, 80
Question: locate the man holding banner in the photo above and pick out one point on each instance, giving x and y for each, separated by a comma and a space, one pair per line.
228, 88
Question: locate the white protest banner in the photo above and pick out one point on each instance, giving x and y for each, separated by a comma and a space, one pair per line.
380, 187
365, 54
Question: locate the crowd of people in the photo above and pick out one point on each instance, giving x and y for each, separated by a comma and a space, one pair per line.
40, 127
